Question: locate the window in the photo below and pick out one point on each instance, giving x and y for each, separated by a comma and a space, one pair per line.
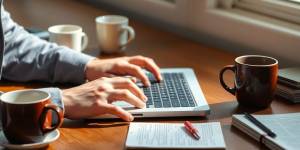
269, 27
172, 11
170, 1
286, 10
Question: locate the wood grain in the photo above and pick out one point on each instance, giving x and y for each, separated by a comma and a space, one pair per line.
167, 49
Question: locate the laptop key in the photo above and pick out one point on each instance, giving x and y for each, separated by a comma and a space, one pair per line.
150, 106
149, 102
157, 104
176, 104
166, 104
192, 104
156, 99
184, 104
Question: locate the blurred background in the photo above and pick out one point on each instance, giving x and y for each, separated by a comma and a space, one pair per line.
269, 27
266, 27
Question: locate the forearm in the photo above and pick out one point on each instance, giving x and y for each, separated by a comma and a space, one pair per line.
28, 58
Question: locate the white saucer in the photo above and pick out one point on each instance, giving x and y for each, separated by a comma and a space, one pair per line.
50, 137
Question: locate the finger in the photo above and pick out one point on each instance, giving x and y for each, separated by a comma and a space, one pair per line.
137, 72
125, 83
148, 64
118, 111
133, 79
125, 95
99, 75
108, 75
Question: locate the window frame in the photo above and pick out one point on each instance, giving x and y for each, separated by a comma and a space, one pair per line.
281, 9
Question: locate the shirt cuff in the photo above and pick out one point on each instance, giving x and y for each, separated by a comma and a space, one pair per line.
56, 98
72, 67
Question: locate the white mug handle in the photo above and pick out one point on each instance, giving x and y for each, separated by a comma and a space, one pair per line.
85, 41
131, 33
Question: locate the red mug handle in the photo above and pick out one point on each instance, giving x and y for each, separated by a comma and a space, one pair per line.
57, 111
231, 90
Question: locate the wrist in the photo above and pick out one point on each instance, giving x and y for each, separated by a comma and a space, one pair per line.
89, 69
65, 98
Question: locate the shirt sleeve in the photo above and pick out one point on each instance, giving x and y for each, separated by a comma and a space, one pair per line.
29, 58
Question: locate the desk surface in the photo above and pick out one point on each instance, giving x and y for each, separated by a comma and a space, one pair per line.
168, 49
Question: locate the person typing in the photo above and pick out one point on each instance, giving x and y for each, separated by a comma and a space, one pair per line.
25, 57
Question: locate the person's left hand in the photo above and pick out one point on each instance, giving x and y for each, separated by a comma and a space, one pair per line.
123, 66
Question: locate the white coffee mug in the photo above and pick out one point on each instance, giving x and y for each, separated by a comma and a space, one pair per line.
71, 36
112, 33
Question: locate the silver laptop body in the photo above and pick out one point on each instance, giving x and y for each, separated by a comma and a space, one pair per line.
198, 107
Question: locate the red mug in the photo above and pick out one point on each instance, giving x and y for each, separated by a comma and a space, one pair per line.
27, 116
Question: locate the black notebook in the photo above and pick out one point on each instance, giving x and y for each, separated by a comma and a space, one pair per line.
290, 77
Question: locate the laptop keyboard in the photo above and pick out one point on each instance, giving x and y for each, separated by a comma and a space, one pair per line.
173, 91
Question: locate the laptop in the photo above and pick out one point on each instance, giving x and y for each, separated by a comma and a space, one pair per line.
179, 94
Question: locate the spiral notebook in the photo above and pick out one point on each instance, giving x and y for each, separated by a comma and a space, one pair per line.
285, 126
174, 136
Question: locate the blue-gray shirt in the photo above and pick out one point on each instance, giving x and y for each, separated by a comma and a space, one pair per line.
25, 57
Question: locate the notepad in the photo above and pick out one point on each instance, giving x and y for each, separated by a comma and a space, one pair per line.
174, 135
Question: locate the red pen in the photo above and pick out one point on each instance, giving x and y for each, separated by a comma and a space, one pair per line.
192, 130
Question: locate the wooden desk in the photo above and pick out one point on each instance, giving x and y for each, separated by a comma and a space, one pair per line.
168, 49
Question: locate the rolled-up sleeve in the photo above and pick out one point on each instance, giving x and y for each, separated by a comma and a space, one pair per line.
28, 58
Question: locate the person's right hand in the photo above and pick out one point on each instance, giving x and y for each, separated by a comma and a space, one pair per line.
95, 98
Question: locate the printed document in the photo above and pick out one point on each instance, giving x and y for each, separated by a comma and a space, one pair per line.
174, 135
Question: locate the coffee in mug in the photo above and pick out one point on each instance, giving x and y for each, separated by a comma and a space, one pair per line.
27, 116
71, 36
113, 33
255, 80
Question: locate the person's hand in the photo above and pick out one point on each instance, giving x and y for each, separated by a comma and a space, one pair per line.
95, 98
123, 66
